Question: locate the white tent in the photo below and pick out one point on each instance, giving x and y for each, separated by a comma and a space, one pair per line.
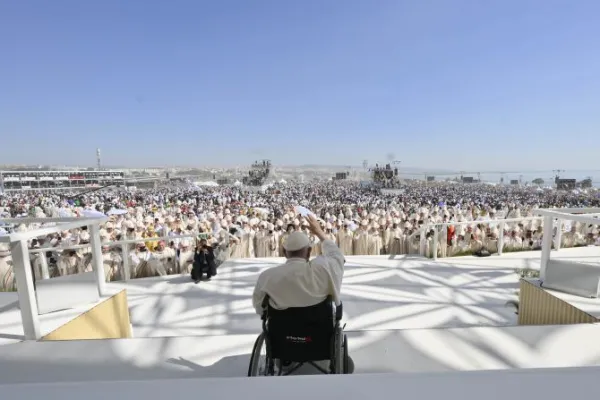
207, 183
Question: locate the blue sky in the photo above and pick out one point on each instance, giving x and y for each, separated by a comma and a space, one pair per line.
473, 85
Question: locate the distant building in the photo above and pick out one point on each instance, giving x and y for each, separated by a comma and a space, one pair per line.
11, 181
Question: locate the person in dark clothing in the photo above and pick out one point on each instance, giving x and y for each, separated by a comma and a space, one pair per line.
204, 262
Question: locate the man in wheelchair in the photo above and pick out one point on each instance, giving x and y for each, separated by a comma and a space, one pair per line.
296, 303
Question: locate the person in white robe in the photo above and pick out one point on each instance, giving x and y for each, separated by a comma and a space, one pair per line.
513, 242
345, 240
186, 257
375, 241
386, 235
572, 238
7, 275
261, 242
271, 242
396, 241
112, 264
165, 259
236, 245
360, 241
70, 262
140, 262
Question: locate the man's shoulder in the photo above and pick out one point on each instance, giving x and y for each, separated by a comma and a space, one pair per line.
275, 269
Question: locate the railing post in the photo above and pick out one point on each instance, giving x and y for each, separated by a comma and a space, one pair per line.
546, 246
558, 237
44, 265
25, 290
500, 237
435, 243
125, 256
97, 261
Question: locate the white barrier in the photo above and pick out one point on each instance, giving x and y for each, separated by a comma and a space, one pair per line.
21, 262
558, 215
436, 229
121, 243
583, 215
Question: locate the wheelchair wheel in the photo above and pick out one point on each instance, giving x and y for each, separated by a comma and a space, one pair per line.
346, 356
338, 352
258, 359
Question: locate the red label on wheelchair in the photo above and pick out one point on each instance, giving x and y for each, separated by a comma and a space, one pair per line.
299, 339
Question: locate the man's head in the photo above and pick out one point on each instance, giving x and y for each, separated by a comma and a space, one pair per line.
297, 245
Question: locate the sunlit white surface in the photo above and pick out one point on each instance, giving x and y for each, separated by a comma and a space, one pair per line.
379, 293
549, 384
412, 350
394, 309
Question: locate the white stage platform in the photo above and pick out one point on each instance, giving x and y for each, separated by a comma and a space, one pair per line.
549, 384
378, 293
412, 350
393, 309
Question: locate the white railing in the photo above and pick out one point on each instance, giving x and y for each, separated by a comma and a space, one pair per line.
22, 263
436, 231
123, 244
583, 215
560, 215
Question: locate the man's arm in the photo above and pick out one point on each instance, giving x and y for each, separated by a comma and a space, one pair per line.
258, 296
332, 259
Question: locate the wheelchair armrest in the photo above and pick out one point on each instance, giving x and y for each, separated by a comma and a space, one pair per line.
339, 312
265, 307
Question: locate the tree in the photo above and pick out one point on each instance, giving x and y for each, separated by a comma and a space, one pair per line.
538, 181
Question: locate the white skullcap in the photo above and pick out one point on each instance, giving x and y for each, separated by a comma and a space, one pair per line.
296, 241
109, 225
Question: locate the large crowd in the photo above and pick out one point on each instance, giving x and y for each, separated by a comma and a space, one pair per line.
163, 225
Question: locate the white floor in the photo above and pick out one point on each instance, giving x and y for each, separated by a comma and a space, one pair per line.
379, 293
394, 309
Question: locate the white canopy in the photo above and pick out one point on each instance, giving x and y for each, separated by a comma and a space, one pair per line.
207, 183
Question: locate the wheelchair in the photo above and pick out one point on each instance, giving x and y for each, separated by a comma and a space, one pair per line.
297, 336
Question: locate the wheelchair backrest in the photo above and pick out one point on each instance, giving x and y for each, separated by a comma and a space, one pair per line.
301, 333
